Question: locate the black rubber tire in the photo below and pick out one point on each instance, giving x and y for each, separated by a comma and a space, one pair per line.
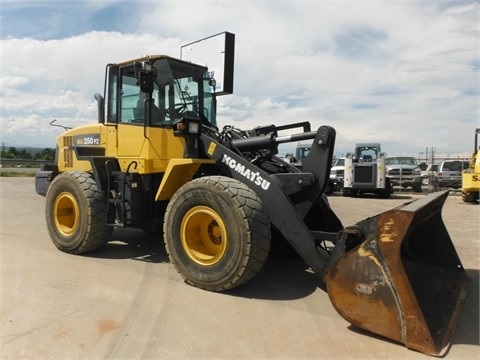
329, 188
216, 233
470, 197
75, 213
385, 193
347, 192
417, 188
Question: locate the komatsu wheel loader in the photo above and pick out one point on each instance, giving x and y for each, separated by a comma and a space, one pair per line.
471, 176
156, 159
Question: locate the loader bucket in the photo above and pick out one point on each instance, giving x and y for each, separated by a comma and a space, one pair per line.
404, 281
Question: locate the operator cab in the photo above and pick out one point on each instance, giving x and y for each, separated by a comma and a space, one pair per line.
157, 91
365, 153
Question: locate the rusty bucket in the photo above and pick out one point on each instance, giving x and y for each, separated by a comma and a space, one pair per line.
404, 281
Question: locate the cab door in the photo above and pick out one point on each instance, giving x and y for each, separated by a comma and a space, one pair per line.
126, 110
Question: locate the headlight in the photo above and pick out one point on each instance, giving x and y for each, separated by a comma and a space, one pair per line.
417, 171
193, 127
186, 126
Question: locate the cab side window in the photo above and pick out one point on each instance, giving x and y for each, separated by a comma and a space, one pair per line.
112, 96
132, 102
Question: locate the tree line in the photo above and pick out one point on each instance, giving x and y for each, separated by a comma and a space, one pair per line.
46, 154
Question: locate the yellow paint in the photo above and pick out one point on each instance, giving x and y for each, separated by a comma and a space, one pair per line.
203, 235
211, 148
67, 159
388, 232
178, 173
151, 148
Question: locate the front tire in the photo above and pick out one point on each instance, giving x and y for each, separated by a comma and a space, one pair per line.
216, 233
75, 213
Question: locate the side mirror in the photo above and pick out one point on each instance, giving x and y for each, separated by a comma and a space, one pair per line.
144, 72
213, 83
146, 81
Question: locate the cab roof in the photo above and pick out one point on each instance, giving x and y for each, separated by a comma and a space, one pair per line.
157, 57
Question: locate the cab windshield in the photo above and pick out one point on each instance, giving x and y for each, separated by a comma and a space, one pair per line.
180, 90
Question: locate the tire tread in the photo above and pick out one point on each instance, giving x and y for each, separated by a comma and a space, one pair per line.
97, 232
256, 224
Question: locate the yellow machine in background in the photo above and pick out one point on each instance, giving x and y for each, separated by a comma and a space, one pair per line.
471, 176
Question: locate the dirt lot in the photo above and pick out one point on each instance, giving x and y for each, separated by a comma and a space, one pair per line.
127, 301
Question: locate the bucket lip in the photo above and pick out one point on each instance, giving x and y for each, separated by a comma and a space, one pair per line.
427, 199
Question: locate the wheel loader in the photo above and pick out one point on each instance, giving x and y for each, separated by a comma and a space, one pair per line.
471, 176
156, 159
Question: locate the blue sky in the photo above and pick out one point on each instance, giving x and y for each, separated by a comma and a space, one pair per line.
402, 73
48, 20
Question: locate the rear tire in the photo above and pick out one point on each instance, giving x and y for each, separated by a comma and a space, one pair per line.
75, 213
216, 233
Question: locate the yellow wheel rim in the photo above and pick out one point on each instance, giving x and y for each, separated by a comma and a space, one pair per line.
203, 235
66, 214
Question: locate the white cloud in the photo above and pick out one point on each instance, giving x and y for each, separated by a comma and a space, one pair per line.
13, 81
399, 73
56, 79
